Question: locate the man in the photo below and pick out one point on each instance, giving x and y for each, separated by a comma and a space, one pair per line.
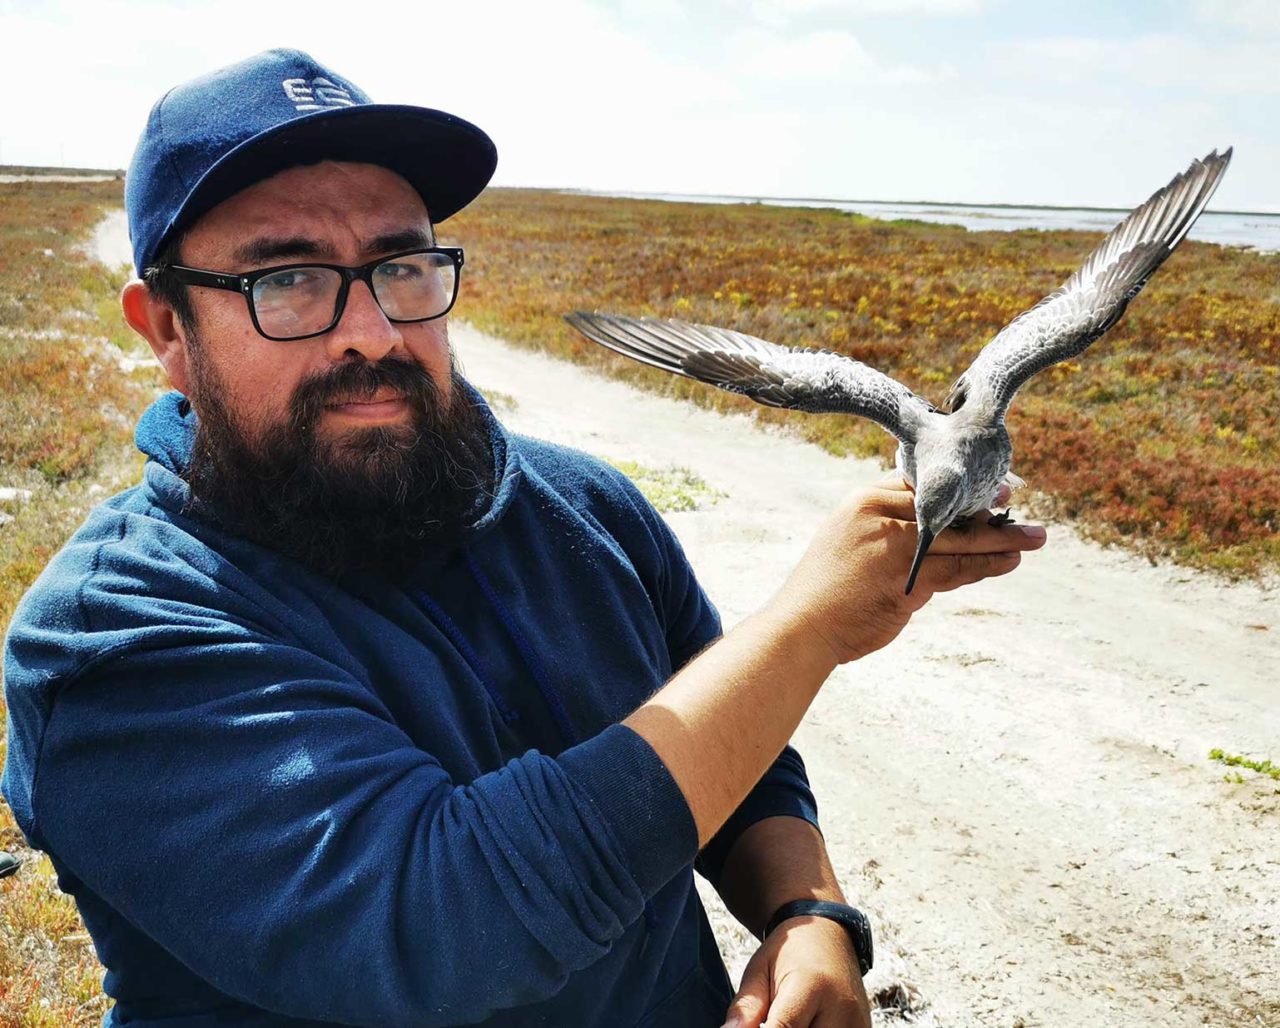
354, 710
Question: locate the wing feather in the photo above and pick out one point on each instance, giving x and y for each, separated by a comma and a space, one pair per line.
797, 378
1068, 320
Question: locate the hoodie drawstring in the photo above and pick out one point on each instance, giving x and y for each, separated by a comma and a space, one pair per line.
539, 672
536, 668
455, 636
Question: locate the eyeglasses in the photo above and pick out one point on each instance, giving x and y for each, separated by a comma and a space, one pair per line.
298, 301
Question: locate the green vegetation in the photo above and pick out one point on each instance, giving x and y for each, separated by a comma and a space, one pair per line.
498, 400
669, 489
69, 405
68, 409
1263, 767
1162, 437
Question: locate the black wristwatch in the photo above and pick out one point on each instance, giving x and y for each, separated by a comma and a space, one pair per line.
854, 921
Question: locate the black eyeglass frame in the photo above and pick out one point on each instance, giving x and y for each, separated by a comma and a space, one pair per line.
244, 284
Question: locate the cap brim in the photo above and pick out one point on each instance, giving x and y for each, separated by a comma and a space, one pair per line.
447, 160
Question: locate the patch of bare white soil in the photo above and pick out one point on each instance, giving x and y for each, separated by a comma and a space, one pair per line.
1018, 789
110, 240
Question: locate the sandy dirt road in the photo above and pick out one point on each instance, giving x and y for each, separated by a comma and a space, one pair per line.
1017, 790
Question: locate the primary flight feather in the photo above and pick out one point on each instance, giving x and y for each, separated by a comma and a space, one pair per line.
956, 461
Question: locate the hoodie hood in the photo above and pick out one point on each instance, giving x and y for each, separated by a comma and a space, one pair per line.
166, 435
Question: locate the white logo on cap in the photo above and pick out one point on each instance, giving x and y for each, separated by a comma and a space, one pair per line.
316, 94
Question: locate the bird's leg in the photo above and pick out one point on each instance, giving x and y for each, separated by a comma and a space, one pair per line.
996, 520
963, 521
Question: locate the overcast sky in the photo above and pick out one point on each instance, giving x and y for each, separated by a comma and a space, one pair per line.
1088, 102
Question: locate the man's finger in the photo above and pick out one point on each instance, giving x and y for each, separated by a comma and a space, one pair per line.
881, 499
944, 572
792, 1007
979, 537
893, 481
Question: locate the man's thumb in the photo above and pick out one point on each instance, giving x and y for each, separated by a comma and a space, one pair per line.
751, 1003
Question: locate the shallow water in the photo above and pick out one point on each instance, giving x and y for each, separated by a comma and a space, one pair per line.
1256, 230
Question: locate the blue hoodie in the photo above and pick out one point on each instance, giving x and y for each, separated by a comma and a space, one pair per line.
279, 802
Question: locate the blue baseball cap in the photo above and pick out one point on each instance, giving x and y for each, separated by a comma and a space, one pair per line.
213, 136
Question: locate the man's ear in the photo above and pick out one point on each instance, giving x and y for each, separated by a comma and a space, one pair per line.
157, 323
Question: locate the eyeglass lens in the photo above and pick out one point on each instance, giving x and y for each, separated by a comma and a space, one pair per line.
304, 301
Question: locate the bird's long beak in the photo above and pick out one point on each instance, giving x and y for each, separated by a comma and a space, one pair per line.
922, 547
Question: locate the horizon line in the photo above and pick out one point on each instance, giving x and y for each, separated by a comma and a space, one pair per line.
36, 169
824, 200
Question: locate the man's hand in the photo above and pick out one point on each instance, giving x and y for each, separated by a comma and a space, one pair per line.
849, 586
804, 975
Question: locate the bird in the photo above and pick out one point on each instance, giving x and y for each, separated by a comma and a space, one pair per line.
955, 459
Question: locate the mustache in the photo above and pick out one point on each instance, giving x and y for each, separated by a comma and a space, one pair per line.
360, 380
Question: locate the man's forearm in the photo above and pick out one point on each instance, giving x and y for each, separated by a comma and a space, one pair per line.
774, 861
724, 719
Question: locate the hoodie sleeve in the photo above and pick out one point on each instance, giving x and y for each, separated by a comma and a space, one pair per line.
351, 879
692, 623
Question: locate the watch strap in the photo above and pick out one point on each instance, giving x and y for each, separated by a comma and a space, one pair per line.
852, 919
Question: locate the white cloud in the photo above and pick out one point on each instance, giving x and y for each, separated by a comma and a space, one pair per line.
535, 72
818, 55
1250, 15
781, 13
1087, 64
583, 94
815, 56
861, 8
655, 10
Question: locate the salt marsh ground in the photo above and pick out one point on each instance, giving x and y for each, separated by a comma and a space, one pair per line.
1019, 790
1163, 436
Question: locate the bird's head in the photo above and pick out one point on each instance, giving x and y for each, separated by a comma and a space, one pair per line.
940, 497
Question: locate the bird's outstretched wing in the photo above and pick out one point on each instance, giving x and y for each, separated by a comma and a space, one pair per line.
1066, 321
816, 381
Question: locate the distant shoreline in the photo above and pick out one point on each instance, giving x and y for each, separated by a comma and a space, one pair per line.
1250, 230
31, 170
823, 201
826, 201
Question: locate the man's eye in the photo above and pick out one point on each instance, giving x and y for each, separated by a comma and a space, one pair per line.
286, 280
397, 270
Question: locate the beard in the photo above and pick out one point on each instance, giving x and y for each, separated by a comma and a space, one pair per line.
383, 501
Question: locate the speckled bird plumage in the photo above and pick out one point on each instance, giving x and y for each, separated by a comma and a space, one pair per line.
955, 460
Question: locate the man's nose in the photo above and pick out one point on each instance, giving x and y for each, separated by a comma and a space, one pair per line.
363, 328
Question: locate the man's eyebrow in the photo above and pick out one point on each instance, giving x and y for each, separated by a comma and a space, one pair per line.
405, 239
267, 249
